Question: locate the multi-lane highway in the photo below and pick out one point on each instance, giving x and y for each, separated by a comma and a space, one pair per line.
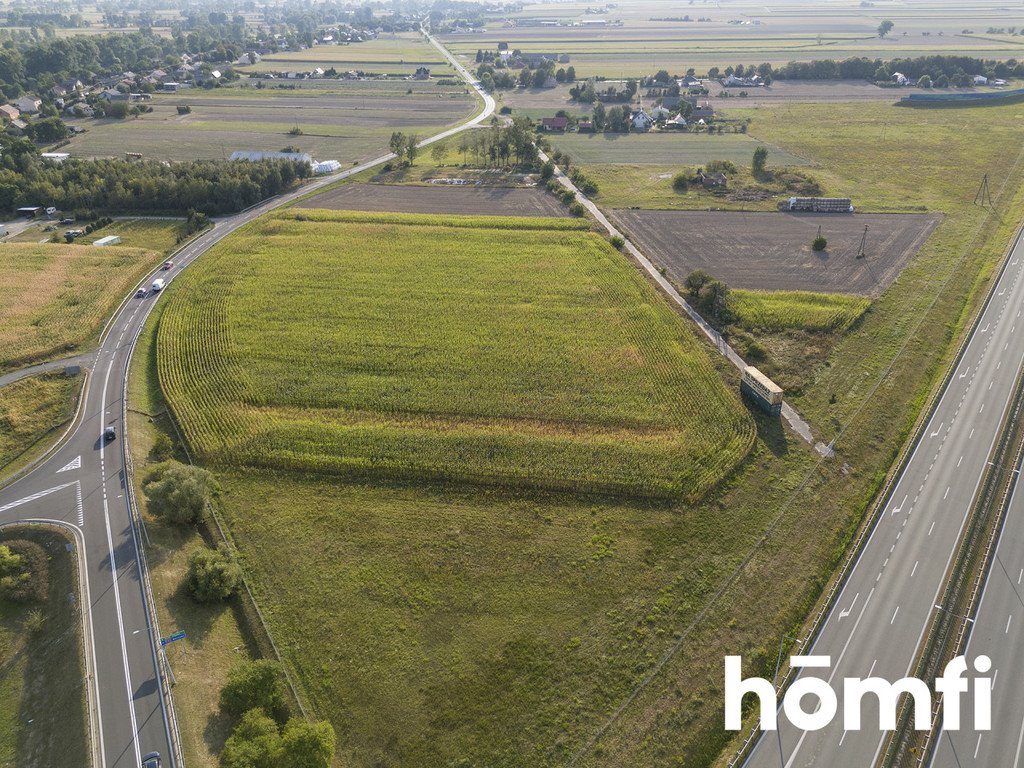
879, 618
997, 632
81, 485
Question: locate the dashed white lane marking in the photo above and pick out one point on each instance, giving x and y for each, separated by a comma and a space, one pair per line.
977, 746
34, 496
931, 527
1008, 620
946, 493
78, 501
1021, 576
982, 408
914, 569
894, 615
970, 435
75, 463
959, 460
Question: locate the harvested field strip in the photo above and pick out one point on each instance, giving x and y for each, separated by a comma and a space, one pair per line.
782, 310
520, 352
436, 198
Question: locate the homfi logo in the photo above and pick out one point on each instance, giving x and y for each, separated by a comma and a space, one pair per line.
811, 702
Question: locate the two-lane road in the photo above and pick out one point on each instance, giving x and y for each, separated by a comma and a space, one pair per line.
879, 619
81, 485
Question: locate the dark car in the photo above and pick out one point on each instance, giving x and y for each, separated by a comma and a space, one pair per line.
152, 760
67, 221
109, 434
140, 293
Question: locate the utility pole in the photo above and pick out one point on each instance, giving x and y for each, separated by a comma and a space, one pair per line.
983, 196
863, 242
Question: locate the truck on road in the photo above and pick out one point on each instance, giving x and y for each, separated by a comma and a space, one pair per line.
158, 285
761, 391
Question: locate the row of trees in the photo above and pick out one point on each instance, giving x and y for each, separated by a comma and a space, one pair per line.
211, 186
500, 145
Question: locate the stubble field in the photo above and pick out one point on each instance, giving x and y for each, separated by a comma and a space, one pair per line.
439, 198
772, 251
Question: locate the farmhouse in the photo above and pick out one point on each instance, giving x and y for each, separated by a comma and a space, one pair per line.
980, 80
17, 127
688, 80
555, 123
641, 121
7, 112
700, 110
676, 122
584, 126
29, 105
660, 113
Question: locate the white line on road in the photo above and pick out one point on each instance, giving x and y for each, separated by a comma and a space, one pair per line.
959, 460
931, 527
75, 463
894, 615
946, 493
914, 569
34, 496
78, 501
1008, 620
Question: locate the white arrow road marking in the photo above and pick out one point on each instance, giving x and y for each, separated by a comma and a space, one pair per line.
75, 463
34, 496
848, 611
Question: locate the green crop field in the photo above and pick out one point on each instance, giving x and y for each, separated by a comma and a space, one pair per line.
665, 149
521, 352
803, 310
55, 298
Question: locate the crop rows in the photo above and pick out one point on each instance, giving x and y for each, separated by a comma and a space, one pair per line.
803, 310
512, 356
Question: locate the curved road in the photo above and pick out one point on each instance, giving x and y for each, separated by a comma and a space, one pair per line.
82, 486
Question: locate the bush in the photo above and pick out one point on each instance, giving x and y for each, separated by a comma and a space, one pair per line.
618, 242
695, 282
577, 209
212, 575
547, 170
680, 183
257, 743
721, 166
256, 685
162, 449
24, 571
178, 493
184, 109
819, 243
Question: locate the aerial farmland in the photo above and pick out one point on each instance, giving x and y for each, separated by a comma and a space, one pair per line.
446, 453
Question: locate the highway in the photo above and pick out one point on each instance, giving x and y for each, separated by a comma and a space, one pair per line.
997, 632
880, 616
81, 486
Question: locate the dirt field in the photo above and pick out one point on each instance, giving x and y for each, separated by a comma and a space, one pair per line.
436, 198
772, 251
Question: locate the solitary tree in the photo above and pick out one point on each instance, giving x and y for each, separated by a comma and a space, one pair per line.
212, 575
759, 162
397, 144
716, 294
885, 27
178, 493
695, 282
411, 148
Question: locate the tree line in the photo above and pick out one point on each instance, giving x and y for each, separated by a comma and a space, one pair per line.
88, 186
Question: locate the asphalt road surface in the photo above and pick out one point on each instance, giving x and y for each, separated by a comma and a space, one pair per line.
81, 485
879, 618
998, 632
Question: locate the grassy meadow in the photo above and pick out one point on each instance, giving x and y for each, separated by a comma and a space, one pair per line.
393, 54
43, 719
31, 409
664, 148
55, 298
804, 310
519, 352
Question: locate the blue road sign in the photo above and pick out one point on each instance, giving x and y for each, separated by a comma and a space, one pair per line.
179, 635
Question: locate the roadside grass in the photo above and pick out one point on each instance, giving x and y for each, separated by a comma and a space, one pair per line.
43, 719
55, 298
217, 638
31, 412
512, 351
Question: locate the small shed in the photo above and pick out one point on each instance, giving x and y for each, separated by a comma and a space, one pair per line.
108, 240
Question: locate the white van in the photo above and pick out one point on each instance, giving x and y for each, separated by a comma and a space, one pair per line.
158, 285
50, 211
